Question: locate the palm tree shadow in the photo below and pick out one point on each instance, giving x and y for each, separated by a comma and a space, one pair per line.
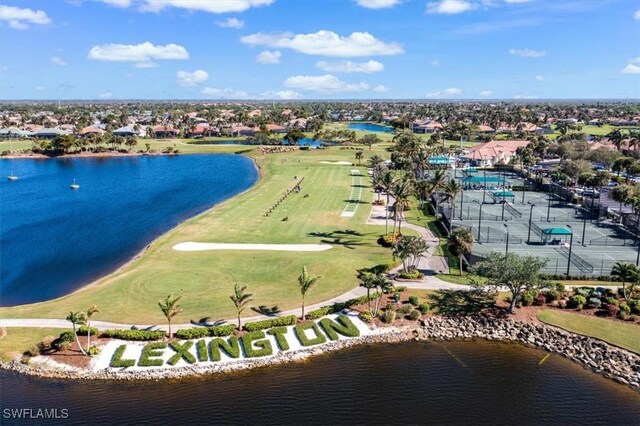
206, 322
462, 302
265, 310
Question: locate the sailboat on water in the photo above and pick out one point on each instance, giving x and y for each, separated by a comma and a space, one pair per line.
74, 185
12, 176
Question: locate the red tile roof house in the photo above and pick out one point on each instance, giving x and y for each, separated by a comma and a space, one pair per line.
274, 128
201, 130
88, 131
493, 152
426, 126
483, 128
242, 131
162, 132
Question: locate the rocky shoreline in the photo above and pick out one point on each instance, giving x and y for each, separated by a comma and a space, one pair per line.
612, 362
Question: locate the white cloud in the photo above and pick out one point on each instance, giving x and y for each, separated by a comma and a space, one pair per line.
636, 15
450, 92
486, 93
381, 89
324, 84
58, 61
226, 93
269, 57
282, 94
105, 95
326, 43
435, 63
527, 53
450, 7
349, 67
19, 19
539, 77
378, 4
142, 54
231, 23
630, 69
117, 3
190, 79
212, 6
40, 88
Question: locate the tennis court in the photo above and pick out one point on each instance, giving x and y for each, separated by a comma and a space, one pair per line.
543, 225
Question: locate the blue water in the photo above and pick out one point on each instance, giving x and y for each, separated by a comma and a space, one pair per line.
54, 239
312, 143
368, 127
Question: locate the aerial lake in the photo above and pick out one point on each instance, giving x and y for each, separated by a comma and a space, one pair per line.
462, 383
56, 239
369, 127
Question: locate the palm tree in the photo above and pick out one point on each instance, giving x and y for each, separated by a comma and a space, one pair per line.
367, 280
409, 250
423, 190
77, 318
401, 191
376, 160
451, 190
387, 180
625, 272
359, 155
240, 299
460, 243
384, 285
170, 308
305, 282
616, 137
92, 310
622, 194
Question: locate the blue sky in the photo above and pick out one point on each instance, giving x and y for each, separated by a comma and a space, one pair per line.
319, 49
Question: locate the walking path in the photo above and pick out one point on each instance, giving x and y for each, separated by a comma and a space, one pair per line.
431, 283
428, 265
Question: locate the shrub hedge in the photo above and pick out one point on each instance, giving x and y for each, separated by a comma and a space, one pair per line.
182, 352
150, 354
117, 361
229, 346
82, 331
302, 336
255, 345
341, 325
199, 332
136, 335
271, 322
278, 333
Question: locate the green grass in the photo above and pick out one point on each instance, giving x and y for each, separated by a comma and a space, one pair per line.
617, 333
206, 279
17, 340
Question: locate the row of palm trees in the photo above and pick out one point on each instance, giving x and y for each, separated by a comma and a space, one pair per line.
171, 307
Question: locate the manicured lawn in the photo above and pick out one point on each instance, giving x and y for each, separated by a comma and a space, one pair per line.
18, 340
617, 333
206, 279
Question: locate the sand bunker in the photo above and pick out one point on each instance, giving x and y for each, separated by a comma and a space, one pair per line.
339, 163
191, 246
